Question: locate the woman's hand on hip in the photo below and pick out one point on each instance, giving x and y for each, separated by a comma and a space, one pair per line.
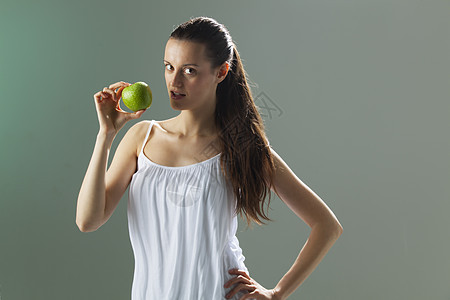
245, 282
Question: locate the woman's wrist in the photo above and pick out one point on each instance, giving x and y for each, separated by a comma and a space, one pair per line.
277, 294
107, 136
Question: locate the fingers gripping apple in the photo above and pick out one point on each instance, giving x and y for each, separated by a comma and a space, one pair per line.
137, 96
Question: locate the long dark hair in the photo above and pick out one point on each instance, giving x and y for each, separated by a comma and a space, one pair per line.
246, 159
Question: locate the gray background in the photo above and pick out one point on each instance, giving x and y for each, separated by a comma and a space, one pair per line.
361, 94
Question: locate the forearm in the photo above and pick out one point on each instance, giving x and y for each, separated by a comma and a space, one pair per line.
316, 247
91, 199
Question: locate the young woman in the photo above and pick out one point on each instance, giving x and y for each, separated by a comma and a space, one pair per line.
189, 177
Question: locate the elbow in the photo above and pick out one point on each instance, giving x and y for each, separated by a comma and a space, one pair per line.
86, 227
340, 230
333, 229
87, 223
83, 228
337, 228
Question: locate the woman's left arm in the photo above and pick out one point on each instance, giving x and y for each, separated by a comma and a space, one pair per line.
325, 230
307, 205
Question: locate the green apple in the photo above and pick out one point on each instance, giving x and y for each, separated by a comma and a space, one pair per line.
137, 96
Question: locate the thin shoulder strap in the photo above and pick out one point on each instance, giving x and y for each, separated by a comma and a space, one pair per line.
147, 135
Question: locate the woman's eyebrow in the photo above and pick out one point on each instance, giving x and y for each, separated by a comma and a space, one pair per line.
184, 64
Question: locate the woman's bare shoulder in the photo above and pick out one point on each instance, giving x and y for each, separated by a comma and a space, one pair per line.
138, 131
139, 127
135, 135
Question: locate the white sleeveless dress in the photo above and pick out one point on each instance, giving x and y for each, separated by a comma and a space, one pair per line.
182, 230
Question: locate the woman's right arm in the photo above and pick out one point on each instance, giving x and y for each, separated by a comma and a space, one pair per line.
102, 189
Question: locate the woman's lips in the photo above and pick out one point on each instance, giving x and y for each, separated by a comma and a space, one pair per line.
176, 96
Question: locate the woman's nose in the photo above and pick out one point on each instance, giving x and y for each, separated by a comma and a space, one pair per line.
176, 79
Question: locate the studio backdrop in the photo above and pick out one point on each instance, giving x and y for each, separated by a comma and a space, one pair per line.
355, 98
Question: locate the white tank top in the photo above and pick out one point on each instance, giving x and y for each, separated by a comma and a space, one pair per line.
182, 230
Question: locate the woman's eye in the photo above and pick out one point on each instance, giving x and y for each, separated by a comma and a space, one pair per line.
191, 71
167, 67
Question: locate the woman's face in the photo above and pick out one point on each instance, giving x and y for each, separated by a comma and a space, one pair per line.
187, 71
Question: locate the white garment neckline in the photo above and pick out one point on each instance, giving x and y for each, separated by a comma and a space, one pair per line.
180, 167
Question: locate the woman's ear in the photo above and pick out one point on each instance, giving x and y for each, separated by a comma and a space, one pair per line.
223, 71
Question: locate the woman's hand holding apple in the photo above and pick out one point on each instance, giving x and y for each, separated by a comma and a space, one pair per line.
110, 116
